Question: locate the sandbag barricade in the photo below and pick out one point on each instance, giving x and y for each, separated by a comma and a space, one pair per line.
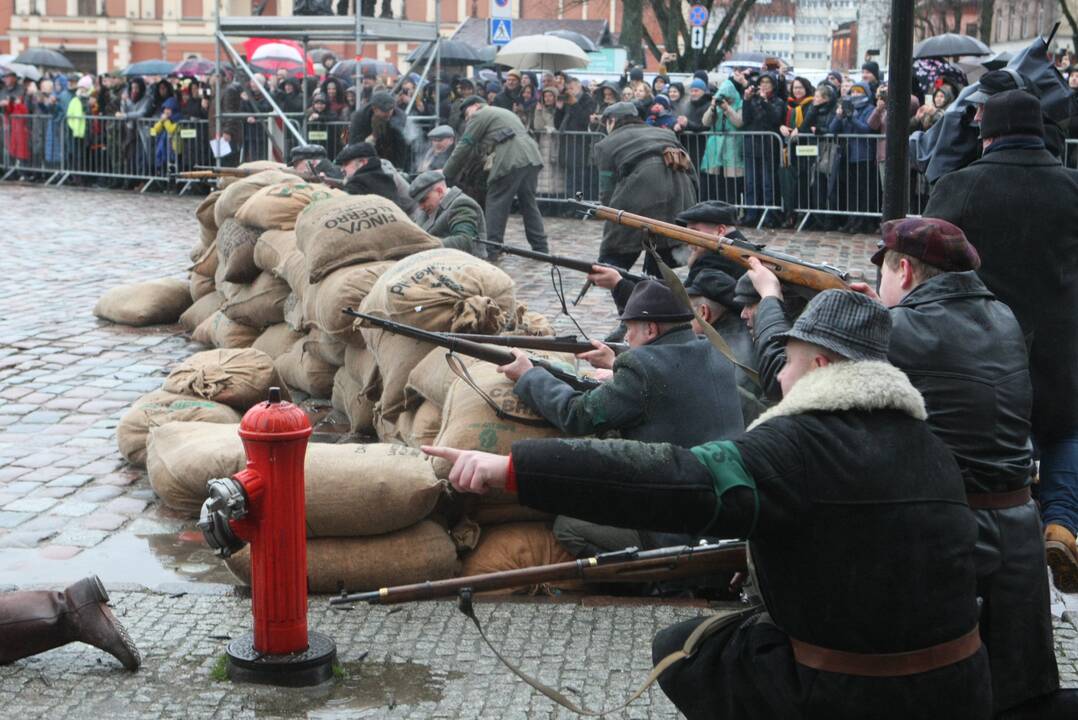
276, 206
162, 407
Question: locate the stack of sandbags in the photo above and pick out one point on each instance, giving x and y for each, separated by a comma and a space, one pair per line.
441, 290
276, 206
157, 302
160, 408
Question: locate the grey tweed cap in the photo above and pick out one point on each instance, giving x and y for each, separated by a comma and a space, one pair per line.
845, 322
620, 109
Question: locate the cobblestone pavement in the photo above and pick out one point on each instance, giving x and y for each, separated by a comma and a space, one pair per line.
69, 506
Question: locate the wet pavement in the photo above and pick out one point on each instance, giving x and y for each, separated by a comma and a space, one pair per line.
70, 506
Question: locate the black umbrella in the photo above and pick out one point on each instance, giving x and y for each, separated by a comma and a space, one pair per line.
453, 52
367, 67
997, 62
949, 45
584, 43
44, 57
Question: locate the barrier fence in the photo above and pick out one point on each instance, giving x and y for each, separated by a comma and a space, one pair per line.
817, 177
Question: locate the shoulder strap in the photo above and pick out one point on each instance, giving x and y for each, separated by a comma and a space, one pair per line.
461, 372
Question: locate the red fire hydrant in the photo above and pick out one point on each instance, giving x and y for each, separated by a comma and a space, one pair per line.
263, 504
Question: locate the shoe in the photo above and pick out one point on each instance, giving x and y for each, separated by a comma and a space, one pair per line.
1062, 554
92, 622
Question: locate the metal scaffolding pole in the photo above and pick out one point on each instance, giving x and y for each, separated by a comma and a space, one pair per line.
896, 185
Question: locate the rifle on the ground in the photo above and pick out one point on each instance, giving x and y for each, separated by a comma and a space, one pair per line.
566, 343
569, 263
209, 172
629, 565
472, 349
788, 269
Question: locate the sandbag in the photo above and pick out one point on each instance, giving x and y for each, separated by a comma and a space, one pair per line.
301, 370
161, 407
236, 251
276, 340
235, 193
422, 552
271, 249
447, 290
396, 356
325, 347
251, 166
200, 286
237, 378
294, 315
157, 302
344, 288
495, 511
202, 309
206, 221
276, 206
363, 368
259, 304
513, 547
181, 457
220, 332
530, 322
426, 424
354, 229
349, 400
432, 378
293, 268
206, 262
468, 423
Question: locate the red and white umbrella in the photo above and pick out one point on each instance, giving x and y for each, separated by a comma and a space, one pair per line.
271, 55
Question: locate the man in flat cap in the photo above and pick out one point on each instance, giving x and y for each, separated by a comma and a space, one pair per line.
496, 137
857, 522
644, 170
714, 217
441, 140
311, 161
465, 89
365, 175
448, 213
653, 394
1018, 206
381, 123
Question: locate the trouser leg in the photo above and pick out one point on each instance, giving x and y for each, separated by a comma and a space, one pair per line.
1058, 488
584, 539
693, 683
534, 230
499, 202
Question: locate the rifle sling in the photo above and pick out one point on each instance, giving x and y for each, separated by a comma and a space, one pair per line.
709, 331
704, 630
461, 372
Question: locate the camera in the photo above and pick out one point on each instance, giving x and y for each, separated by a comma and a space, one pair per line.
847, 106
881, 94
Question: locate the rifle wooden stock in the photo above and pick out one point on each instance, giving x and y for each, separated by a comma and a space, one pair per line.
629, 565
788, 269
538, 342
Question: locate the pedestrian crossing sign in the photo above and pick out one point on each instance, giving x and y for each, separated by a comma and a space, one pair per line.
501, 31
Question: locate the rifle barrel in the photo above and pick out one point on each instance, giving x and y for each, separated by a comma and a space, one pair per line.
569, 263
568, 344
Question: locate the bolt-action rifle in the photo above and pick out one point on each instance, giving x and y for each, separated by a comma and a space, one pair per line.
472, 349
629, 565
564, 343
788, 269
209, 172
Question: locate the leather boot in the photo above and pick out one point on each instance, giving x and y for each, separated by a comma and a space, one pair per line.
1062, 554
32, 622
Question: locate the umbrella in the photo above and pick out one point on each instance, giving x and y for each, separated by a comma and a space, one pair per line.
44, 57
197, 66
998, 61
581, 41
319, 53
148, 67
453, 52
271, 55
542, 52
366, 67
23, 71
950, 44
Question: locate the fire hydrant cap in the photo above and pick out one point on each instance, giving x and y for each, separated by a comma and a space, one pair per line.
275, 420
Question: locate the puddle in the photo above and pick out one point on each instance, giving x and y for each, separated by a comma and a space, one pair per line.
366, 688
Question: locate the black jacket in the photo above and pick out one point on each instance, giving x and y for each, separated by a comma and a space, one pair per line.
964, 351
762, 115
771, 319
389, 138
371, 179
1019, 208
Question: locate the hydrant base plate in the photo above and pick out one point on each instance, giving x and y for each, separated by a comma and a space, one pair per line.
311, 667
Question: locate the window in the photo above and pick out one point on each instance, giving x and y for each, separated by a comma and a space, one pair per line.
87, 8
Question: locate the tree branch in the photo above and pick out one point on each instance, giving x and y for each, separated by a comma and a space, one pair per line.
1070, 18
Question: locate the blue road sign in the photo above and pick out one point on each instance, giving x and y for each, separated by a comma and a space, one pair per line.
698, 16
501, 31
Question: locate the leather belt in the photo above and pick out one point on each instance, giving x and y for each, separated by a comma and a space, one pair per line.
887, 664
999, 501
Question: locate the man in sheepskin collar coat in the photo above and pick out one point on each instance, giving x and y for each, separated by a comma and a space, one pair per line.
857, 522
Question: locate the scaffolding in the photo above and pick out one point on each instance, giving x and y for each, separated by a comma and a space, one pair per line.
320, 28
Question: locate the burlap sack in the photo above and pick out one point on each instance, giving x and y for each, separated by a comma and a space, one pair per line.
293, 268
396, 356
206, 262
220, 332
200, 286
348, 399
181, 457
206, 221
234, 194
300, 370
202, 309
394, 430
293, 314
447, 290
363, 368
275, 207
237, 378
161, 407
432, 378
271, 249
513, 547
489, 511
426, 424
530, 322
344, 288
259, 304
421, 552
254, 166
356, 229
468, 423
325, 348
276, 340
236, 251
158, 302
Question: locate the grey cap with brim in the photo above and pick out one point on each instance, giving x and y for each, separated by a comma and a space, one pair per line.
423, 183
845, 322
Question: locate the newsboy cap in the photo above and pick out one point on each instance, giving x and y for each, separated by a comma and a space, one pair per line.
997, 81
382, 100
620, 109
355, 151
716, 286
306, 152
423, 183
1012, 112
471, 100
653, 301
933, 241
441, 132
745, 292
709, 211
845, 322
